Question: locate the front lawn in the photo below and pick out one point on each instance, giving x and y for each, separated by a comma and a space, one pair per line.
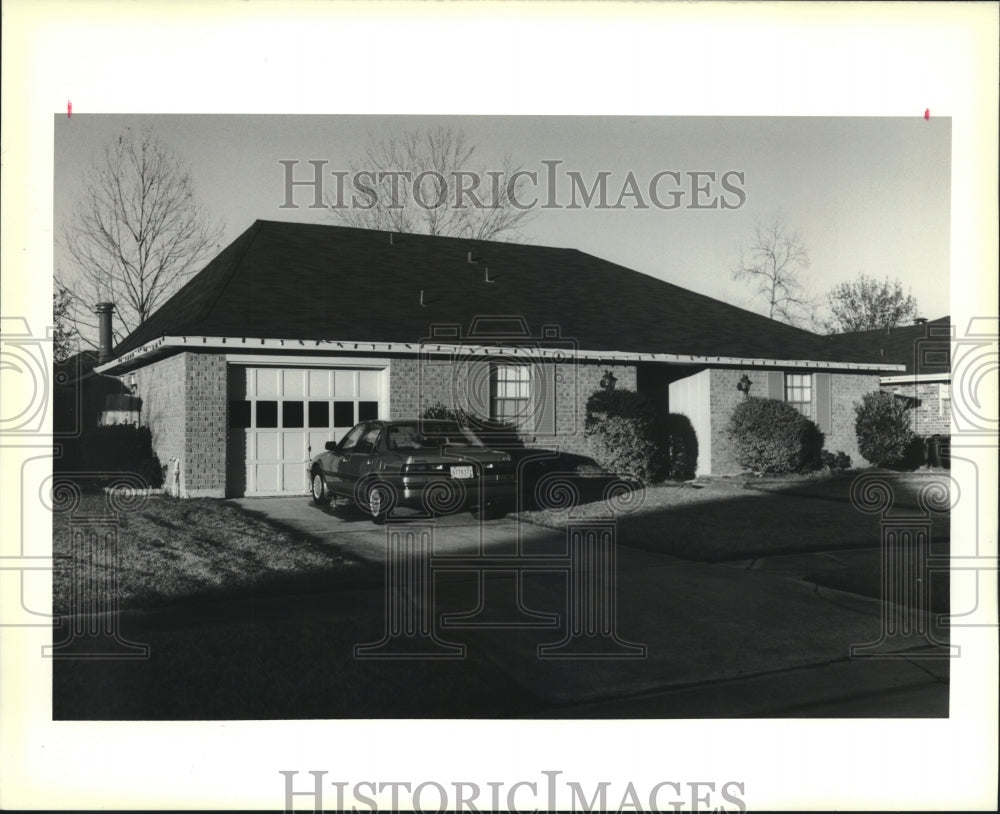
720, 520
173, 550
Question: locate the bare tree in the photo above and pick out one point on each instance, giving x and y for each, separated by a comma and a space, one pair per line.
774, 265
868, 304
137, 234
64, 335
426, 182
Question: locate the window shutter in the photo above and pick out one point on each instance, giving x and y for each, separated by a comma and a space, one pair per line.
824, 403
544, 386
776, 385
479, 386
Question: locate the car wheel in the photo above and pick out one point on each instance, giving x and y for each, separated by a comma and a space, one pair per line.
319, 491
379, 502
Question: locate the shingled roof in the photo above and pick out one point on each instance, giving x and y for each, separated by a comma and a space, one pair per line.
925, 348
297, 281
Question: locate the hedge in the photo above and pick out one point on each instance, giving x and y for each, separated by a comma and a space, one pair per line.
122, 448
882, 424
622, 434
772, 437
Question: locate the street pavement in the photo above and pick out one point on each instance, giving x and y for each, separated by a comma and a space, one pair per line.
675, 638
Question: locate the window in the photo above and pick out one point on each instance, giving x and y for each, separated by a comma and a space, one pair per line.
348, 444
319, 414
369, 442
267, 414
292, 415
511, 397
343, 414
798, 392
944, 398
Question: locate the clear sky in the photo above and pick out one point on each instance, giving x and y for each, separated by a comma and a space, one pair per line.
866, 195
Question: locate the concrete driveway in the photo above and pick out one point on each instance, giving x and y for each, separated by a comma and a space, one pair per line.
351, 531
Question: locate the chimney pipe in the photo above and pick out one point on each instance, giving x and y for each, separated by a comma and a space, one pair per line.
103, 310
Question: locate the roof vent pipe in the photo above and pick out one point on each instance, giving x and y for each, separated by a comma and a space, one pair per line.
103, 311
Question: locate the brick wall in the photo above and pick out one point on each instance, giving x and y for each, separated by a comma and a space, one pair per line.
184, 405
929, 413
723, 398
846, 390
575, 383
160, 385
205, 431
414, 385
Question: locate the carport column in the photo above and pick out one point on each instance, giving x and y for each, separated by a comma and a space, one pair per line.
409, 599
592, 606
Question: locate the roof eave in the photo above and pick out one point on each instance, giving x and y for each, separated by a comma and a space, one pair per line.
166, 344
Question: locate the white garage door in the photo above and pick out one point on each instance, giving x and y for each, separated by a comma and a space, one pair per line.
280, 417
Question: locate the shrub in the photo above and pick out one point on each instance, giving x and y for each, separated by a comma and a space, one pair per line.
882, 425
621, 431
772, 437
498, 433
834, 462
445, 413
122, 448
678, 446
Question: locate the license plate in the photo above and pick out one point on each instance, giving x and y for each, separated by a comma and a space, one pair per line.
461, 471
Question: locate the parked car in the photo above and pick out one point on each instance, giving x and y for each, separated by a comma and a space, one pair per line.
436, 465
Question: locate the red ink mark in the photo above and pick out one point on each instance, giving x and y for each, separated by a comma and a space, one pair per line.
927, 114
69, 110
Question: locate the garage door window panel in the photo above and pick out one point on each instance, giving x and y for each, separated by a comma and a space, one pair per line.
267, 415
292, 415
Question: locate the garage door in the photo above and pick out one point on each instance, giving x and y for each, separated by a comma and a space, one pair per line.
280, 417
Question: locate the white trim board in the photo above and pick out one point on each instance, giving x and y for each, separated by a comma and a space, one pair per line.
916, 378
442, 348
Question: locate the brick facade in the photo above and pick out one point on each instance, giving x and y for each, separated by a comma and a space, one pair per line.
207, 425
930, 405
184, 405
846, 390
723, 398
416, 384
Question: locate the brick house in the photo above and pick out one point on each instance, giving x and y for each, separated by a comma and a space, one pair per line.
924, 349
295, 332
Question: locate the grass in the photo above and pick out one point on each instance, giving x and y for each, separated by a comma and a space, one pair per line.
719, 521
171, 551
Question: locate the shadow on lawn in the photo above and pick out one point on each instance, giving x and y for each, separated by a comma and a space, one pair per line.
803, 523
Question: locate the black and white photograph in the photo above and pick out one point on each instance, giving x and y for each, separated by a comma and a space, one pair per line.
417, 426
512, 427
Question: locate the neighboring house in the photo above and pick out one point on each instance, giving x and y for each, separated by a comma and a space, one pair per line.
83, 399
295, 332
925, 349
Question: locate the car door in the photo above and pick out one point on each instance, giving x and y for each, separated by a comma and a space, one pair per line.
339, 474
364, 454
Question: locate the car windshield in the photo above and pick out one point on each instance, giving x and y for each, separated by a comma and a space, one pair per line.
430, 435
